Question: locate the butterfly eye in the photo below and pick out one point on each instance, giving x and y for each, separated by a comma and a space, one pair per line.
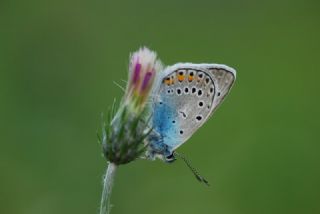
170, 158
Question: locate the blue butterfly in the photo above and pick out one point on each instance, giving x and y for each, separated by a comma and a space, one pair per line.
184, 98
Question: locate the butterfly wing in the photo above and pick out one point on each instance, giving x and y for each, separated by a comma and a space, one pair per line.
186, 96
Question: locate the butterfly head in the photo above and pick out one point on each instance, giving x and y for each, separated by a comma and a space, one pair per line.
170, 158
166, 158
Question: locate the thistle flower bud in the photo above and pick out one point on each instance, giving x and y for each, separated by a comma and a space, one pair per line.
124, 133
142, 71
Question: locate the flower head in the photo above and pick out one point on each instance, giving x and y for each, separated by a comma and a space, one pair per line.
124, 133
143, 68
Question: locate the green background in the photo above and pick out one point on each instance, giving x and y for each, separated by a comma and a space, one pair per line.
58, 61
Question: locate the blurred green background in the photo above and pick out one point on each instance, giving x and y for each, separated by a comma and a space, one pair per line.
58, 61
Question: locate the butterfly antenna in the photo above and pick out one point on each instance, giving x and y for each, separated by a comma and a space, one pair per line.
193, 170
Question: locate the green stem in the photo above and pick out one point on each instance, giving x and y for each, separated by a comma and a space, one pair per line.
105, 205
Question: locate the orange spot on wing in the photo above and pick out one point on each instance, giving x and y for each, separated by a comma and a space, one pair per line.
190, 78
180, 77
167, 81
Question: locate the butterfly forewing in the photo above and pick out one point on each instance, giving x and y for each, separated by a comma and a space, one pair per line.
186, 97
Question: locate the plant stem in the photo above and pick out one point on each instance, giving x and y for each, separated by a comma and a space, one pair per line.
105, 205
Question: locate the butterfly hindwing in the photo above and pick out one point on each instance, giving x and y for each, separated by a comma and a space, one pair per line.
224, 78
186, 96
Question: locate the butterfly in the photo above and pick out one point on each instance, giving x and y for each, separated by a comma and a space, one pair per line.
185, 96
